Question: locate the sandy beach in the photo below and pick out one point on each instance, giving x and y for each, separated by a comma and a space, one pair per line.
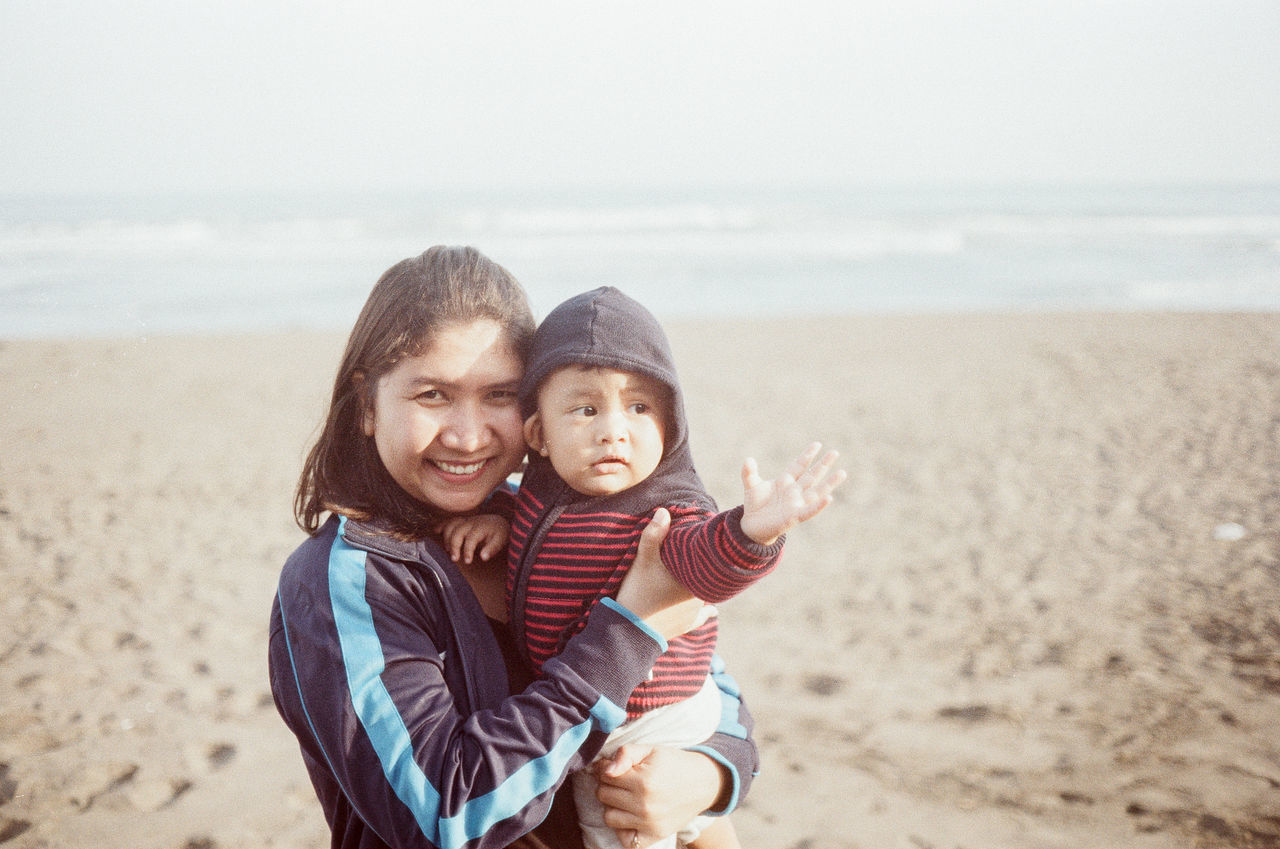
1045, 611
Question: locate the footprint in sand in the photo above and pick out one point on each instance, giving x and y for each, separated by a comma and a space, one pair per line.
220, 754
966, 713
8, 787
208, 758
824, 685
112, 782
150, 796
10, 829
96, 780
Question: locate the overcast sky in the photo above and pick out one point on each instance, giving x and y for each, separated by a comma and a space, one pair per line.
143, 95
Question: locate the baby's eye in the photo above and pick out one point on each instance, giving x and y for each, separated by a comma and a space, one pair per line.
639, 408
585, 410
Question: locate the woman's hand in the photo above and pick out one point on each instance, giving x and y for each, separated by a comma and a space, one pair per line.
650, 592
650, 792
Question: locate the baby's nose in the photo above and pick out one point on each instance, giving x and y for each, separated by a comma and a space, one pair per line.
612, 429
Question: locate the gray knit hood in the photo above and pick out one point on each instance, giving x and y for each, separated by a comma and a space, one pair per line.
606, 328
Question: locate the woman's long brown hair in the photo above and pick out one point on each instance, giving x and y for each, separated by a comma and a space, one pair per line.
408, 306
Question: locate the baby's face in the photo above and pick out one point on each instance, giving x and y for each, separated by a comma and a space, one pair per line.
602, 429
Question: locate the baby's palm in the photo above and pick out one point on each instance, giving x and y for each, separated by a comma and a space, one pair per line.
773, 507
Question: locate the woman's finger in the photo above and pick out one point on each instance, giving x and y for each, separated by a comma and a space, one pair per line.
655, 532
622, 802
626, 757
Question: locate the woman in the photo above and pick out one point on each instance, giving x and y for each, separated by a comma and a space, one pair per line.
391, 663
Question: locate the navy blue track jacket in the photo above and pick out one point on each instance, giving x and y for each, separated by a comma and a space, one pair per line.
387, 670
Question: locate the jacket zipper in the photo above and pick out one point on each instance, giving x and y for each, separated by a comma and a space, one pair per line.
520, 592
458, 653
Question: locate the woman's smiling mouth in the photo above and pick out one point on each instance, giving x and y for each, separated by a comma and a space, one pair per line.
459, 468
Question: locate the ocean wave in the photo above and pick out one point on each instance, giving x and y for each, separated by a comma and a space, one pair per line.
276, 264
1220, 292
1106, 225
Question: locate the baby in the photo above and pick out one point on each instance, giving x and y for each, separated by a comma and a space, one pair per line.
606, 424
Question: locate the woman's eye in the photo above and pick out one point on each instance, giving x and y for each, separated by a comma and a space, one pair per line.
585, 411
430, 395
502, 396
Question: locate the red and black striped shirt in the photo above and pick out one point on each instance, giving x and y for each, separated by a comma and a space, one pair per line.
583, 557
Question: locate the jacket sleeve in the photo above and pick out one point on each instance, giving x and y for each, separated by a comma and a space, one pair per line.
359, 672
712, 557
731, 746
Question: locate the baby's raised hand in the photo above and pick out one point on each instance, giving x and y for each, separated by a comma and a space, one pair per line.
771, 508
483, 534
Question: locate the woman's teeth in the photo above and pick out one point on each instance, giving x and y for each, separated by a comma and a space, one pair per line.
459, 468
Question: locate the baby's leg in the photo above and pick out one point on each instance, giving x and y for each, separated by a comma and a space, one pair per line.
720, 834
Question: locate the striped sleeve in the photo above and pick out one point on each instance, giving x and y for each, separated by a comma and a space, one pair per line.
712, 557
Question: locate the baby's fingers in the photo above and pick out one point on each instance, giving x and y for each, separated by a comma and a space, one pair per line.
464, 546
469, 542
800, 465
822, 489
452, 538
817, 475
750, 473
819, 496
490, 549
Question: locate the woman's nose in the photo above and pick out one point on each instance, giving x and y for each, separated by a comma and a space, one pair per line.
465, 430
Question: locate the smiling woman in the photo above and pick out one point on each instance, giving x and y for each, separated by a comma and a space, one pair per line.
419, 724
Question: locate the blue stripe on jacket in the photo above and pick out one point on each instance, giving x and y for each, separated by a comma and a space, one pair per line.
362, 656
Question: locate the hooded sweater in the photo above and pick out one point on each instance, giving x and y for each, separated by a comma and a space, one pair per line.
568, 550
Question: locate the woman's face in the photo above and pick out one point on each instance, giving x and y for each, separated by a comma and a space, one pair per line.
447, 423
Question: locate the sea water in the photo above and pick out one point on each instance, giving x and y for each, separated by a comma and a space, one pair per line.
146, 264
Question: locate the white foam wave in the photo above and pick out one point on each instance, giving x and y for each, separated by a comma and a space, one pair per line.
1079, 226
641, 218
271, 262
1220, 292
183, 236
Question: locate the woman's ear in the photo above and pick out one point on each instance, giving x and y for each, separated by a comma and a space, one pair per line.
362, 398
533, 435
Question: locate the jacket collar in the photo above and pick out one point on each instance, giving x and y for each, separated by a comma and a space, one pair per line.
369, 536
